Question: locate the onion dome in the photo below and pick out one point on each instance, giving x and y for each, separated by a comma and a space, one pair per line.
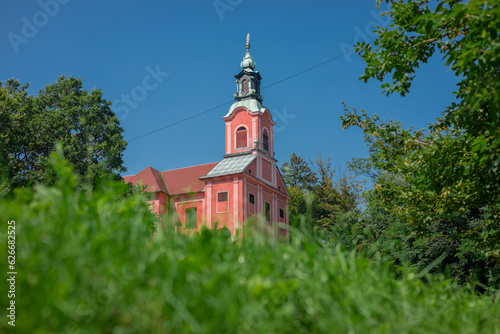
248, 63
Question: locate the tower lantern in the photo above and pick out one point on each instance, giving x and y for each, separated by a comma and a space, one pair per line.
248, 80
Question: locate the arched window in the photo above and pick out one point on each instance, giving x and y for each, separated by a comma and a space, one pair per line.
265, 140
244, 86
241, 137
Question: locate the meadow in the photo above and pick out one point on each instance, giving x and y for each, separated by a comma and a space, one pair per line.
87, 262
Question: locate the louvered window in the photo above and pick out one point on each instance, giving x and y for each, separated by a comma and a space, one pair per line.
244, 87
265, 140
241, 138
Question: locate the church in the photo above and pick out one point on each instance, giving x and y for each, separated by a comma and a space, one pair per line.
245, 186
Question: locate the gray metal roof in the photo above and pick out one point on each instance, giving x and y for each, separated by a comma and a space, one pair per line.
251, 104
231, 165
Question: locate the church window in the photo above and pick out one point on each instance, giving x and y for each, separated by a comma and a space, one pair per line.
241, 137
267, 209
265, 140
191, 217
251, 198
244, 87
222, 202
282, 213
222, 197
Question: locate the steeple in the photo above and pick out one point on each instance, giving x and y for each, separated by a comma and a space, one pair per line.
249, 125
247, 63
248, 80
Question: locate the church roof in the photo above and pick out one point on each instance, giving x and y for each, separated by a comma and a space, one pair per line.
250, 104
172, 182
231, 165
149, 177
186, 180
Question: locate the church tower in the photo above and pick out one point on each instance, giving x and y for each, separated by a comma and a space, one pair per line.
247, 184
249, 125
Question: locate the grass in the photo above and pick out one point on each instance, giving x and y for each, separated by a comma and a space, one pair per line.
87, 263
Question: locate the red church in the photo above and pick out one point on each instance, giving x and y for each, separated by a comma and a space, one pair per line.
246, 185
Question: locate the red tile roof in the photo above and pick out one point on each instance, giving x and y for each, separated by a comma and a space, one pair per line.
172, 182
185, 180
127, 178
149, 177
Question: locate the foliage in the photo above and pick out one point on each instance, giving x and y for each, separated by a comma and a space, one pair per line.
297, 204
329, 195
453, 169
298, 173
87, 263
81, 121
379, 233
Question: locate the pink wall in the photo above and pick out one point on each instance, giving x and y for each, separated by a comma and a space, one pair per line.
267, 170
222, 212
280, 184
252, 168
266, 122
254, 122
265, 193
240, 117
158, 203
182, 202
251, 208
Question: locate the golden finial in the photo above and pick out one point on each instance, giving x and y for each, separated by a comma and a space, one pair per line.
248, 42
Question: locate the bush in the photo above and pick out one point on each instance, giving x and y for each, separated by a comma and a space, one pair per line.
88, 263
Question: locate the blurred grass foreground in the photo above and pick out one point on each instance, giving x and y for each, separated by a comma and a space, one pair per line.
87, 263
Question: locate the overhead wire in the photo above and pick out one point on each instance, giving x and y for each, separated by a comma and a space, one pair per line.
232, 101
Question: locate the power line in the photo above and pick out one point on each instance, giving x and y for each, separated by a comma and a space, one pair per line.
308, 69
230, 102
182, 120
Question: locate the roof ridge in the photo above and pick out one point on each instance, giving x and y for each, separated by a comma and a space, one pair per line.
168, 170
165, 183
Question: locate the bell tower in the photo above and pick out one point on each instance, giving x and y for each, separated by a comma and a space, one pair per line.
249, 125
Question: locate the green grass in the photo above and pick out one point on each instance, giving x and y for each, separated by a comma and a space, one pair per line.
87, 263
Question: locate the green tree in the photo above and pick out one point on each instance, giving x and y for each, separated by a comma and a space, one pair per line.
329, 195
297, 172
453, 168
82, 121
299, 179
440, 250
325, 195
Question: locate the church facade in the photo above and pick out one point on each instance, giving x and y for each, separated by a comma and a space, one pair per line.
246, 185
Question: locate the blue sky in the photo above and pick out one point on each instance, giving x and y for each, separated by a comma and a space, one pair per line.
195, 48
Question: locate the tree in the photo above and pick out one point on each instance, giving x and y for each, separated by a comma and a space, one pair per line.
335, 193
453, 169
440, 249
63, 112
298, 173
328, 195
299, 179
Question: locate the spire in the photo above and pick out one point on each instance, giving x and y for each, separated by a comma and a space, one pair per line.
248, 63
248, 80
